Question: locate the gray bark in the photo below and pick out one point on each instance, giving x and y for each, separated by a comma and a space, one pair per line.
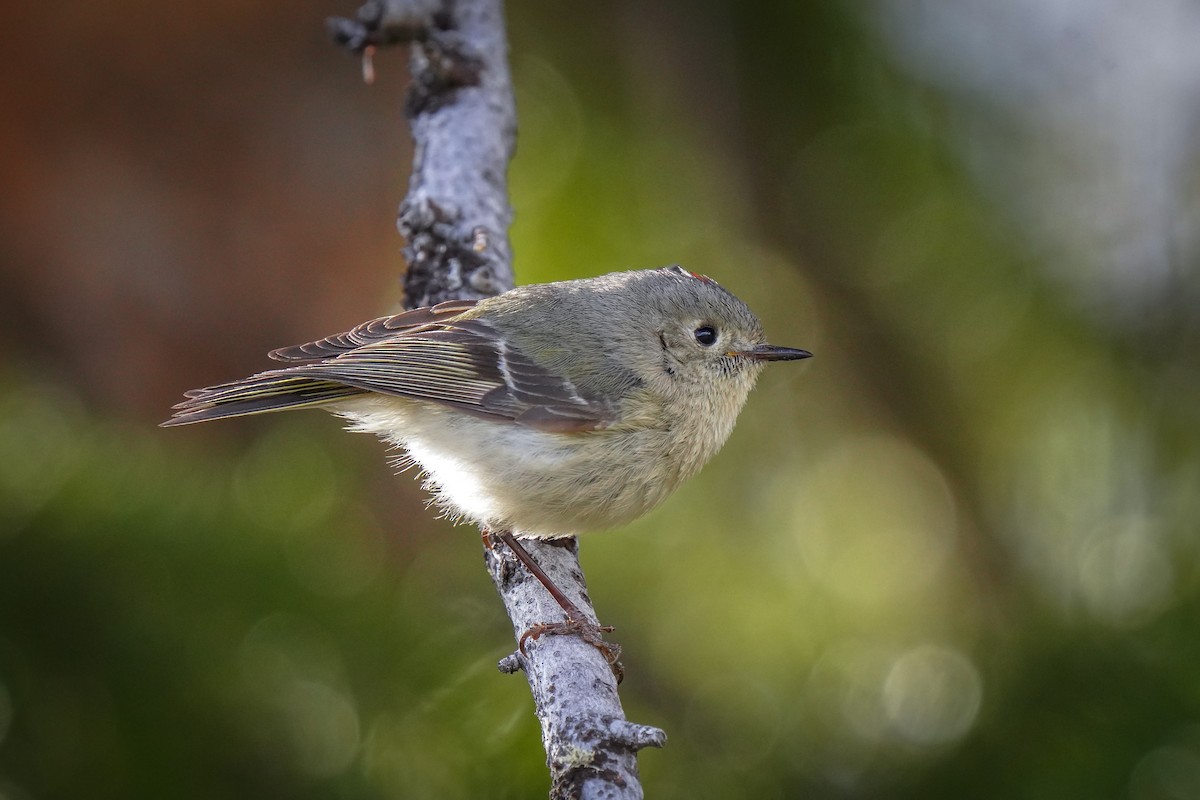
455, 220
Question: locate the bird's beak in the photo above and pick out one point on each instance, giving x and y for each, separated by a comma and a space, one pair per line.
770, 352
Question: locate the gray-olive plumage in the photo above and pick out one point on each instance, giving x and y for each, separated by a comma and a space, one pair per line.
548, 410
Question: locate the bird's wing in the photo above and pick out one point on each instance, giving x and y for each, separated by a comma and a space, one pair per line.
463, 364
468, 365
372, 331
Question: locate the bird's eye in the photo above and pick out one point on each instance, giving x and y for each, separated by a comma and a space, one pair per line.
706, 335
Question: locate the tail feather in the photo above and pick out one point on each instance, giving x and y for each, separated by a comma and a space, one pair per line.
258, 395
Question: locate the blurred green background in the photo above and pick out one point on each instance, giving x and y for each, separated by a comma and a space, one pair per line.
955, 555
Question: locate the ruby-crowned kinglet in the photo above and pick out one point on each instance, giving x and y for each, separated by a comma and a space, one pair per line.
544, 411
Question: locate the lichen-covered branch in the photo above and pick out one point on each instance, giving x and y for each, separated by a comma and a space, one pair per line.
455, 221
591, 748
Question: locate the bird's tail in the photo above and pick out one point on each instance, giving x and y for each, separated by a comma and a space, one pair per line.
269, 391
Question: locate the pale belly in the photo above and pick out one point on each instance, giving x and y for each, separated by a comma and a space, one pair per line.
508, 477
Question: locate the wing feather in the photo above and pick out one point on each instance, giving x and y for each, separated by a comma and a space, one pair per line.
427, 354
372, 331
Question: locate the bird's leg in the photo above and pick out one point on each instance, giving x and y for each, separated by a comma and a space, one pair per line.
576, 621
523, 556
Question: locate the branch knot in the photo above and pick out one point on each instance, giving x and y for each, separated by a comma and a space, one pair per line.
383, 22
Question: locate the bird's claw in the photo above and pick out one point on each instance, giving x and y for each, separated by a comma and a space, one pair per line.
588, 631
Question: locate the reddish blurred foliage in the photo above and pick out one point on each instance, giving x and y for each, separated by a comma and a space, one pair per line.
186, 186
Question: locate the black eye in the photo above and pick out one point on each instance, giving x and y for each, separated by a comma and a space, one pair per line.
706, 335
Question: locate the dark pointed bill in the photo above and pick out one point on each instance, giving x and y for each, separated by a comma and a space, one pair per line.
770, 352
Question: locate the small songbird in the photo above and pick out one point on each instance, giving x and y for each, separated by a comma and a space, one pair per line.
542, 412
548, 410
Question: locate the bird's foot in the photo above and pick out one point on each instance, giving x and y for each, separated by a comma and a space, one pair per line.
589, 632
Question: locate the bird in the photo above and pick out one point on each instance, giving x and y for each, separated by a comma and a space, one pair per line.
543, 412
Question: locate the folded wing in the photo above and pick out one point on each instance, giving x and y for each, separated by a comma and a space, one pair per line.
429, 354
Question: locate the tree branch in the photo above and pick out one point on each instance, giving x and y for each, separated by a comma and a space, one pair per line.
455, 220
